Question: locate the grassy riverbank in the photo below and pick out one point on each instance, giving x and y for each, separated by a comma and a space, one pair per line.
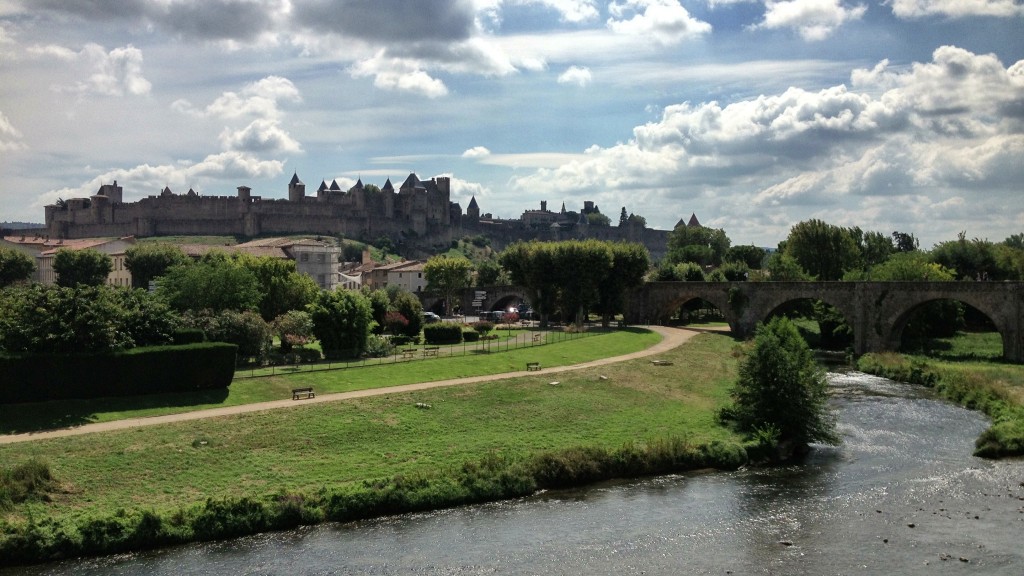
966, 370
223, 477
58, 414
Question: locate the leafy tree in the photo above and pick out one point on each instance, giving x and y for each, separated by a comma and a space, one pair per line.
448, 277
395, 323
488, 273
875, 247
293, 328
972, 259
14, 266
63, 320
579, 268
214, 284
529, 265
409, 306
246, 329
781, 389
86, 267
598, 219
734, 271
380, 304
784, 268
824, 251
1015, 241
750, 255
705, 246
623, 219
630, 261
341, 321
150, 260
282, 287
904, 242
637, 220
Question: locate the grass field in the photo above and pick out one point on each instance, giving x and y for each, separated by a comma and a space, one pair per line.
49, 415
307, 448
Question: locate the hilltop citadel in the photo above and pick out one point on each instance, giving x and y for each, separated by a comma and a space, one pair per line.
418, 216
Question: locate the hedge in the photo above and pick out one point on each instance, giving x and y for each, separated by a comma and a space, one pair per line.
442, 333
148, 370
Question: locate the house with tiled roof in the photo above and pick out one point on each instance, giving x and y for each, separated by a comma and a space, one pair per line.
113, 247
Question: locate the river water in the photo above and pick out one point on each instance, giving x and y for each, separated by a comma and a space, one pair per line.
902, 495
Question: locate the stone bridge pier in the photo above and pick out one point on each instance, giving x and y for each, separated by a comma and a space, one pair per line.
877, 311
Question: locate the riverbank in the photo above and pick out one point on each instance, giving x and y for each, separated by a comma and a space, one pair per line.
994, 388
226, 476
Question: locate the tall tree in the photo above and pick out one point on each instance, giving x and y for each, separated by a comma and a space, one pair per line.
904, 242
282, 287
705, 246
972, 259
14, 266
214, 283
150, 260
341, 321
530, 265
630, 262
781, 388
750, 255
408, 305
81, 267
448, 277
623, 218
823, 250
579, 267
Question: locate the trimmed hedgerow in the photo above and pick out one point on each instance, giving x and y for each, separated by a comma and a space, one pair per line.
149, 370
442, 333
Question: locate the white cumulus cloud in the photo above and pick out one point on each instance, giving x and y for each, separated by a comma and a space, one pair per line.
812, 19
577, 75
666, 21
956, 8
476, 152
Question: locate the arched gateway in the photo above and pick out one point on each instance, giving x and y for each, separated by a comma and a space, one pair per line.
877, 311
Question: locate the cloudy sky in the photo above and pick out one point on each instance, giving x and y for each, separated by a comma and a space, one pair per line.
896, 115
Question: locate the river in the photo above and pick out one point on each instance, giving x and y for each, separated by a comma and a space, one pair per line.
901, 495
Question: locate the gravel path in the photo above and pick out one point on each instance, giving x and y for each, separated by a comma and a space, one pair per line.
671, 338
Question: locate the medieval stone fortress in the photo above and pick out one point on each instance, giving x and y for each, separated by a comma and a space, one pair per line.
419, 216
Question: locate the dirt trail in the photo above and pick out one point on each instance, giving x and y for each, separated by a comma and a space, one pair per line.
671, 338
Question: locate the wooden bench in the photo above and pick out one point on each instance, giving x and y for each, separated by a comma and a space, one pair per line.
409, 353
431, 351
532, 366
537, 337
303, 393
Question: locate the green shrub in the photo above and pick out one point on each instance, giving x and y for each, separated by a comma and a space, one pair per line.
30, 480
470, 336
442, 333
188, 336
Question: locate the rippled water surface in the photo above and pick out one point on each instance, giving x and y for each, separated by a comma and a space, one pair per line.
902, 495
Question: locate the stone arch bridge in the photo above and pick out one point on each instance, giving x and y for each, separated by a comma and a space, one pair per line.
877, 311
497, 298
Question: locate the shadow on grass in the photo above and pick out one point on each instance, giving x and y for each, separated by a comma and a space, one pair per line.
38, 416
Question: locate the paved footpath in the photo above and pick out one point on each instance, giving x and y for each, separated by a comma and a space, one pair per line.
671, 338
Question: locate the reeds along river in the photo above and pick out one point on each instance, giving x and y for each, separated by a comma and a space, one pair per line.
902, 495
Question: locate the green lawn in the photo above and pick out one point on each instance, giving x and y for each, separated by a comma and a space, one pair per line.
327, 445
49, 415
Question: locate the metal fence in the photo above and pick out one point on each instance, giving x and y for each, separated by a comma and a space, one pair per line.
501, 340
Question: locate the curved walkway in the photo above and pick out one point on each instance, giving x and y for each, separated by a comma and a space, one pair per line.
671, 338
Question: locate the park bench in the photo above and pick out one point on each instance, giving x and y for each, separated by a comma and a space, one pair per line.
409, 353
303, 393
431, 351
532, 366
537, 337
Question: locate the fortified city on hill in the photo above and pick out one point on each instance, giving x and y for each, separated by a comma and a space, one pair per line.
418, 216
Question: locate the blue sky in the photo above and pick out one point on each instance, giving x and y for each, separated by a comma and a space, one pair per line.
899, 115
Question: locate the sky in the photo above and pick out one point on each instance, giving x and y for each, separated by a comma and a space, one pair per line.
900, 115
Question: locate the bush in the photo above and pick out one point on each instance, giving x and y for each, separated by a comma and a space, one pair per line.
151, 370
188, 336
30, 480
442, 333
780, 385
470, 336
379, 347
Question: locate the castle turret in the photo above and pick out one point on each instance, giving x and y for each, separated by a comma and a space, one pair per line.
296, 189
244, 193
473, 210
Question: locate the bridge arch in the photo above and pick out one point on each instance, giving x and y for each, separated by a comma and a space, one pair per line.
1003, 322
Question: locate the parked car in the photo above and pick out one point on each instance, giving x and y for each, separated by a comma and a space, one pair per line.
430, 318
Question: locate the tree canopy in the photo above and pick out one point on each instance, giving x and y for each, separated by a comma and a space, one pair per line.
150, 260
87, 267
341, 321
447, 276
780, 390
214, 283
705, 246
14, 266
